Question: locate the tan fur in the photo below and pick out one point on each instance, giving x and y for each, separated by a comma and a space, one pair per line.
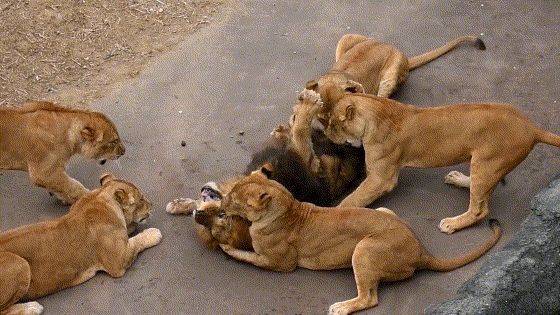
287, 234
40, 138
46, 257
364, 65
494, 137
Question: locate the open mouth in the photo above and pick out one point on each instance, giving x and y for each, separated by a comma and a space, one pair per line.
210, 193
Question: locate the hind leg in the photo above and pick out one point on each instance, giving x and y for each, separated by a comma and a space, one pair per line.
485, 175
393, 75
346, 42
15, 278
374, 260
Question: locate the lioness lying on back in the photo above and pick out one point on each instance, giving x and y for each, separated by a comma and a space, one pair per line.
40, 138
494, 137
43, 258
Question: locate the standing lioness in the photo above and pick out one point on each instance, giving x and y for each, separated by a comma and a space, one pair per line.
287, 233
46, 257
40, 138
494, 137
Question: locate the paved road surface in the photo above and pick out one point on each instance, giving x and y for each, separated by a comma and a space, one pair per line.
242, 74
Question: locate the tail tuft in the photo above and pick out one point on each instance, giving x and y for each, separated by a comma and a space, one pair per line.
494, 224
480, 44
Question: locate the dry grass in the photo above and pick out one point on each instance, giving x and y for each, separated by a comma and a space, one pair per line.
73, 51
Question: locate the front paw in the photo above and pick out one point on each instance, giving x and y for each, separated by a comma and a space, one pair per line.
151, 237
447, 225
226, 248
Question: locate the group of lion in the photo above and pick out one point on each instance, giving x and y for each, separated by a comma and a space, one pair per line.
302, 199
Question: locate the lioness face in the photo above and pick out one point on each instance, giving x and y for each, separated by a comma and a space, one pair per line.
254, 196
345, 124
100, 140
331, 87
135, 207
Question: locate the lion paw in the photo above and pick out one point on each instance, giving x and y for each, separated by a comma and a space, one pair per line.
181, 206
29, 308
458, 179
338, 309
152, 237
448, 225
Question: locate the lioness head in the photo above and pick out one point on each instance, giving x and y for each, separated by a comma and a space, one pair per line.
135, 207
346, 125
255, 197
331, 87
100, 139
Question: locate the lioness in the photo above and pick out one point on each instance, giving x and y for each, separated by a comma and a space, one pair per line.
287, 234
46, 257
364, 65
40, 138
494, 137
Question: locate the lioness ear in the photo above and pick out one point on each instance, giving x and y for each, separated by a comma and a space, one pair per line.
354, 87
123, 197
105, 178
312, 85
350, 111
261, 202
89, 134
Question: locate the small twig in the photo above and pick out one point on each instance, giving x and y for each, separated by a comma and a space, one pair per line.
161, 2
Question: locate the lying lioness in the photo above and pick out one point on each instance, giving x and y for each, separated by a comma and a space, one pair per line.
364, 65
40, 138
338, 170
46, 257
494, 137
287, 234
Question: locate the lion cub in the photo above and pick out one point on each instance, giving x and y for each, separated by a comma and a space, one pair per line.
43, 258
494, 137
287, 234
40, 138
364, 65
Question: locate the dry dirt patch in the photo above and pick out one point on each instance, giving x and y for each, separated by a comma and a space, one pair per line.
73, 51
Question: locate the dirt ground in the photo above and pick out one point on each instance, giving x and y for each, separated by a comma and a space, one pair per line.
72, 52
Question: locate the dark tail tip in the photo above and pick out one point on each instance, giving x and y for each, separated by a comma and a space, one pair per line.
493, 223
480, 44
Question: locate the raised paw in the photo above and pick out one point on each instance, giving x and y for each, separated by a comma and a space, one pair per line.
448, 225
458, 179
181, 206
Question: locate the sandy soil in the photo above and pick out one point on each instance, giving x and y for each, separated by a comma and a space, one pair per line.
73, 52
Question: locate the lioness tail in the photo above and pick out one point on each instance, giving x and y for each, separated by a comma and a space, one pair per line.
549, 138
423, 59
430, 262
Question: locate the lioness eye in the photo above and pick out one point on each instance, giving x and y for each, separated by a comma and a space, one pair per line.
222, 215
